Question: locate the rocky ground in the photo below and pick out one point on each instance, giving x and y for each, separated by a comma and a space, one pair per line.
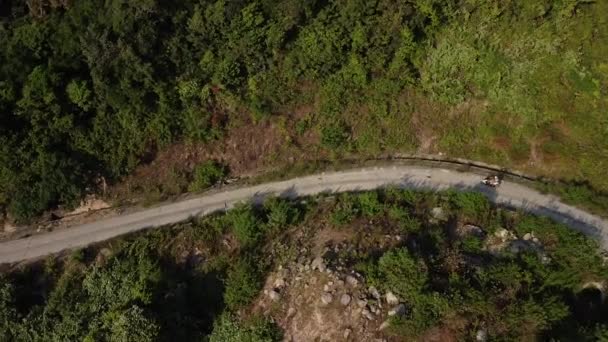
320, 296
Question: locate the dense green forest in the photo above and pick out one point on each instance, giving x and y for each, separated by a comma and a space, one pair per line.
197, 280
93, 88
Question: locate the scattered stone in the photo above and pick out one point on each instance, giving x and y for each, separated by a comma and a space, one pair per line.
384, 325
318, 264
326, 298
398, 310
438, 214
374, 292
306, 268
279, 283
346, 333
106, 252
340, 282
374, 309
326, 288
503, 234
345, 299
471, 230
352, 281
361, 303
526, 237
391, 299
367, 314
481, 336
291, 312
9, 227
274, 295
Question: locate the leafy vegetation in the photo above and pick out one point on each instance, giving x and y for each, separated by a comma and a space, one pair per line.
197, 281
91, 89
206, 175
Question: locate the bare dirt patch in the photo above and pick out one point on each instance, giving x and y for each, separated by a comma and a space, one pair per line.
245, 149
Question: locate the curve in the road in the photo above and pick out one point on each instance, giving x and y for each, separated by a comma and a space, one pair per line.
508, 194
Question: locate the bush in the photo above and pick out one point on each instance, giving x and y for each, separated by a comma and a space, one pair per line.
469, 204
245, 224
406, 223
345, 211
207, 174
242, 285
403, 274
228, 328
369, 204
280, 213
334, 136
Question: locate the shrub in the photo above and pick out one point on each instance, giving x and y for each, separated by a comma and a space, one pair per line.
280, 213
334, 135
470, 204
245, 224
369, 204
346, 210
228, 328
406, 223
401, 196
242, 285
403, 274
427, 310
207, 174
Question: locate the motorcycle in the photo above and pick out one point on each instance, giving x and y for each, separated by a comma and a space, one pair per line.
492, 181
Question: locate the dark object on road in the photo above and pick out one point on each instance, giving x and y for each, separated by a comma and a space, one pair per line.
493, 181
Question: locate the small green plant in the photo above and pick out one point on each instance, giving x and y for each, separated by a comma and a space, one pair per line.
280, 213
407, 223
469, 204
345, 211
228, 328
245, 224
242, 284
335, 135
206, 175
369, 204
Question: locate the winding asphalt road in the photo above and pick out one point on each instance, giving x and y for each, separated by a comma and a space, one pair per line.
508, 194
